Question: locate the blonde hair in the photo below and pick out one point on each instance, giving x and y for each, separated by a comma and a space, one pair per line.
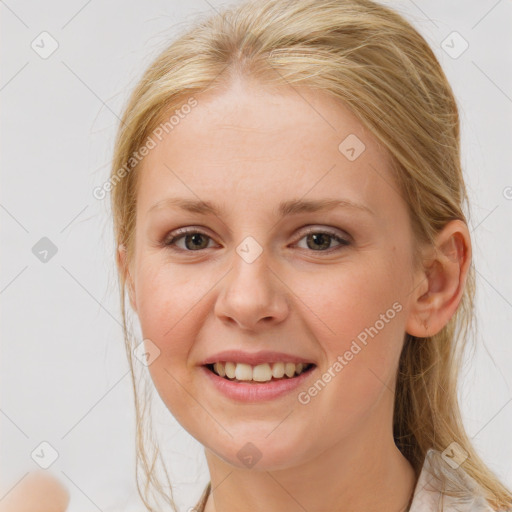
371, 59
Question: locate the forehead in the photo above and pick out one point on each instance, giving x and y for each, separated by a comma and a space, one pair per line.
260, 146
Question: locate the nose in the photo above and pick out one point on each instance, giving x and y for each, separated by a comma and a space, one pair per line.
253, 296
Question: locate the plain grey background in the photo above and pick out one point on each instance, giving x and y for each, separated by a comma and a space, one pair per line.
64, 375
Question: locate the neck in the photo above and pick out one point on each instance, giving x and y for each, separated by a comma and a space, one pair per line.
351, 475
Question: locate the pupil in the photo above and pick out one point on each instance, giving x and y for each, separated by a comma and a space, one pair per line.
321, 237
194, 237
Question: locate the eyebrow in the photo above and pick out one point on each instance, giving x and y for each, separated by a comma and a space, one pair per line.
291, 207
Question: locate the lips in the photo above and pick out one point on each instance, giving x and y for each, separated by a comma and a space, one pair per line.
255, 358
252, 392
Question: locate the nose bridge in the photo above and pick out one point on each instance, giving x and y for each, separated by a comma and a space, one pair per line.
251, 292
249, 276
250, 265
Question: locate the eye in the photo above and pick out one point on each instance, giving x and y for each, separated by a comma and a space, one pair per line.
195, 240
316, 238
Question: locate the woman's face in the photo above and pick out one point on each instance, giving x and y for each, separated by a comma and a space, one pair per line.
252, 278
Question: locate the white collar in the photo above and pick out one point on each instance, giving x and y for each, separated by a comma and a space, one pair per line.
441, 487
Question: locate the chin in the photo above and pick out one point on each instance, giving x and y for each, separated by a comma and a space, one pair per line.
258, 452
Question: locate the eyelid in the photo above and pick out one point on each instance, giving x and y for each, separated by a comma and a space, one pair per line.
180, 232
334, 232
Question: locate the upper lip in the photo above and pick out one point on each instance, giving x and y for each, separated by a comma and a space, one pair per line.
254, 358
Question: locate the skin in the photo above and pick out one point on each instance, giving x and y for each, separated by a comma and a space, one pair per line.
246, 149
38, 491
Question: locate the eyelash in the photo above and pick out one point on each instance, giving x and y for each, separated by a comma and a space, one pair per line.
180, 233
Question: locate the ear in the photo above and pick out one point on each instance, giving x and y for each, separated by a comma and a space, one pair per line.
122, 262
441, 281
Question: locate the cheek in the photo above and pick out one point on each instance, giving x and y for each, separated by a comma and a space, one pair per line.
362, 322
168, 309
354, 297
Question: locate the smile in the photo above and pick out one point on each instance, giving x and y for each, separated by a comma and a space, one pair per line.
265, 372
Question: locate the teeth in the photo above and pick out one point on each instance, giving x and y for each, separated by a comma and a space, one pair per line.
229, 368
219, 369
289, 369
278, 370
243, 372
259, 373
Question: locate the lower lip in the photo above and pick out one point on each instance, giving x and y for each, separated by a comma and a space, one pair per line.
256, 392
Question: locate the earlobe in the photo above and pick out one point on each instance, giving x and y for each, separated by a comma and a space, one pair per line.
124, 269
444, 275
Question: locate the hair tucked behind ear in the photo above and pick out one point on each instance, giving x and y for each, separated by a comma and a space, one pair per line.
379, 66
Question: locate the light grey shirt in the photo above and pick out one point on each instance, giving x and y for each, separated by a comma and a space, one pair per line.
439, 478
